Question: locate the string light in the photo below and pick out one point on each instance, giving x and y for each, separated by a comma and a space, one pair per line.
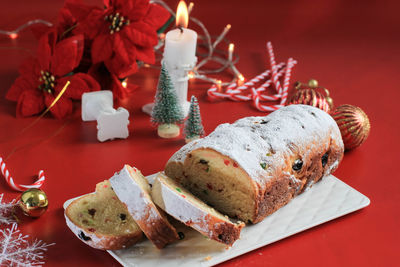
212, 55
226, 59
14, 34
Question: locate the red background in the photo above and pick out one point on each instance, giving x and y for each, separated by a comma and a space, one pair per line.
351, 47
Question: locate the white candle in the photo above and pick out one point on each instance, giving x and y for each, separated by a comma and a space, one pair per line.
180, 47
180, 54
179, 57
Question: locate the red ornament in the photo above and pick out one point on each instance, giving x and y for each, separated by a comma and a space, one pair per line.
312, 95
353, 124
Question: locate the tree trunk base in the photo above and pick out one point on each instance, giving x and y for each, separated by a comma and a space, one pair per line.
168, 130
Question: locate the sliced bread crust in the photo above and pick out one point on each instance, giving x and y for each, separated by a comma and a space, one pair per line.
133, 190
183, 206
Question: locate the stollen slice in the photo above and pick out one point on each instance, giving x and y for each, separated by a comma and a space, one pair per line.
133, 190
101, 221
185, 207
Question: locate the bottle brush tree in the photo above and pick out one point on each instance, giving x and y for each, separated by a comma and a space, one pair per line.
193, 126
167, 112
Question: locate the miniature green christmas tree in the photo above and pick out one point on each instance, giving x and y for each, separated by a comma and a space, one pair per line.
193, 127
167, 112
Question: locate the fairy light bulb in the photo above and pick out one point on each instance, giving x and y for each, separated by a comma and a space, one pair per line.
13, 36
230, 50
124, 83
219, 85
191, 75
240, 79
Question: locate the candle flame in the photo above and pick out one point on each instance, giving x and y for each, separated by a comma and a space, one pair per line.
182, 17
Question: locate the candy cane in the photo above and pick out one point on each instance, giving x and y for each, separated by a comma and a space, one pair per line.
259, 77
19, 187
256, 102
286, 81
233, 94
274, 68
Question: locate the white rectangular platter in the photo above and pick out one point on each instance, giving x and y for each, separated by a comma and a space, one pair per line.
326, 200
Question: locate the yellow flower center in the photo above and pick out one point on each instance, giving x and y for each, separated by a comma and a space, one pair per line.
48, 82
117, 22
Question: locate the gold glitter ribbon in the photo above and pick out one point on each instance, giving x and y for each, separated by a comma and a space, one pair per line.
36, 121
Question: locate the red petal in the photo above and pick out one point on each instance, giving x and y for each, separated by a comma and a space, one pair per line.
66, 22
44, 52
67, 55
90, 18
157, 16
119, 91
135, 10
123, 63
102, 48
30, 102
78, 10
80, 83
29, 67
142, 34
39, 30
146, 54
62, 108
20, 85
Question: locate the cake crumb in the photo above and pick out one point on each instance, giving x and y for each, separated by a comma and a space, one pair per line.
207, 258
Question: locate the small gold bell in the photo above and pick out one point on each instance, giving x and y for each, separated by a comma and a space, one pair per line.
313, 83
33, 202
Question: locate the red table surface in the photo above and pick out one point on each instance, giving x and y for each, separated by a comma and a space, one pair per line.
351, 47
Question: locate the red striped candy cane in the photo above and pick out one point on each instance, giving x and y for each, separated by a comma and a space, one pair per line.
274, 70
259, 106
289, 66
19, 187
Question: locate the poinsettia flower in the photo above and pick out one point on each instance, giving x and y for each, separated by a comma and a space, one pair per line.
42, 78
123, 32
65, 26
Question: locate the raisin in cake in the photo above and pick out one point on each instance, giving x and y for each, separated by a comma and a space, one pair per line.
251, 168
183, 206
101, 220
133, 190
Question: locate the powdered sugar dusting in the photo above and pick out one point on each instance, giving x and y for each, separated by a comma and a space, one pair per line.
138, 202
184, 210
254, 142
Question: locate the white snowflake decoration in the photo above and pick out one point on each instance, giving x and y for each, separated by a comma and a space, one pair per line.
6, 211
15, 250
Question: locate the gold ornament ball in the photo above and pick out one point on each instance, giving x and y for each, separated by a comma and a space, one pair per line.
33, 202
313, 83
353, 123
